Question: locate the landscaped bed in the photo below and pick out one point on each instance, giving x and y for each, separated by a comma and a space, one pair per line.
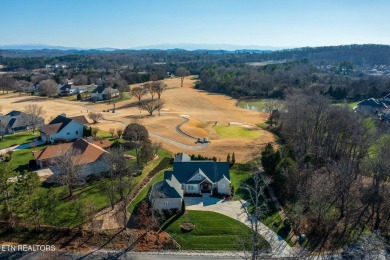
212, 231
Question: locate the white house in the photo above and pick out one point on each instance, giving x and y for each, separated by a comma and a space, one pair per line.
63, 128
191, 178
104, 93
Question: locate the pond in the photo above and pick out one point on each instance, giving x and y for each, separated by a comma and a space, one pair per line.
256, 105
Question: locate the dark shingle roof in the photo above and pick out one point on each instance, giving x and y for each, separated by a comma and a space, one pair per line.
14, 113
183, 171
58, 123
99, 89
165, 190
387, 96
372, 103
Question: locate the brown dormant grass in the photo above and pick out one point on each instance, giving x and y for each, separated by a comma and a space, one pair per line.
203, 110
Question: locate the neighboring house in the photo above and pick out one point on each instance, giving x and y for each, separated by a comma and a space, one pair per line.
63, 128
69, 89
191, 178
16, 121
104, 93
371, 105
387, 98
86, 153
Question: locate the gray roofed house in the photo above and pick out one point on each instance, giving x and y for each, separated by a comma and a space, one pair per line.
371, 105
104, 93
203, 177
15, 121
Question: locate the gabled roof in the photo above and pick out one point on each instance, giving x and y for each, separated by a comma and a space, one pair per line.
86, 152
102, 143
58, 123
99, 89
372, 103
67, 87
182, 157
183, 171
14, 113
387, 96
168, 188
80, 119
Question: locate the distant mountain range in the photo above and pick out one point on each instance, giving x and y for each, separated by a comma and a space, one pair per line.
183, 46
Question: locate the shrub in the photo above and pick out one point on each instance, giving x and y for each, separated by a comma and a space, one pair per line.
187, 227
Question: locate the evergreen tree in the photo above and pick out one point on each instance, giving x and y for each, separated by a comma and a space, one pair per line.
233, 159
270, 159
228, 157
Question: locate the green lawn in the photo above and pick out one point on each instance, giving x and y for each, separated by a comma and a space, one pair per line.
69, 212
19, 138
213, 231
238, 174
21, 158
235, 131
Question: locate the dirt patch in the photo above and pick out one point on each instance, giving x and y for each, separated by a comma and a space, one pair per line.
154, 240
70, 240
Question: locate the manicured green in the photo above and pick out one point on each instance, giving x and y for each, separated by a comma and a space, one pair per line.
19, 138
235, 131
213, 231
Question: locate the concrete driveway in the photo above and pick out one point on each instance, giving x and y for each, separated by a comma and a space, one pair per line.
236, 210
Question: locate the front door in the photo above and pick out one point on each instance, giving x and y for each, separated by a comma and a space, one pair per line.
206, 187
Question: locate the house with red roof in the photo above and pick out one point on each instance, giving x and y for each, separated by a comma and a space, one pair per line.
87, 153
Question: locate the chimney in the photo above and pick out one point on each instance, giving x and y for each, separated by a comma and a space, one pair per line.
90, 139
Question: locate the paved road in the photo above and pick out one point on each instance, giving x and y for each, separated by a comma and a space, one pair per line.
236, 210
185, 146
105, 255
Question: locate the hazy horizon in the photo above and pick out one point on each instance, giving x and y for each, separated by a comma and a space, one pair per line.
133, 24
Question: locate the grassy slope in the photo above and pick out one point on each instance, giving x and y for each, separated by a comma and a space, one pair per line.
235, 131
144, 192
213, 231
68, 213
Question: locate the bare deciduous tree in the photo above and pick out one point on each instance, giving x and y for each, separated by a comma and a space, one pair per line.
68, 167
159, 88
80, 79
33, 115
160, 104
119, 132
48, 87
255, 191
150, 106
95, 116
138, 92
150, 87
181, 72
112, 132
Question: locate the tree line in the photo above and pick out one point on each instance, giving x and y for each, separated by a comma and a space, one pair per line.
332, 171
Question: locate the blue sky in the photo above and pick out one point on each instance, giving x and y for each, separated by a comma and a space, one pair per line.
130, 23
